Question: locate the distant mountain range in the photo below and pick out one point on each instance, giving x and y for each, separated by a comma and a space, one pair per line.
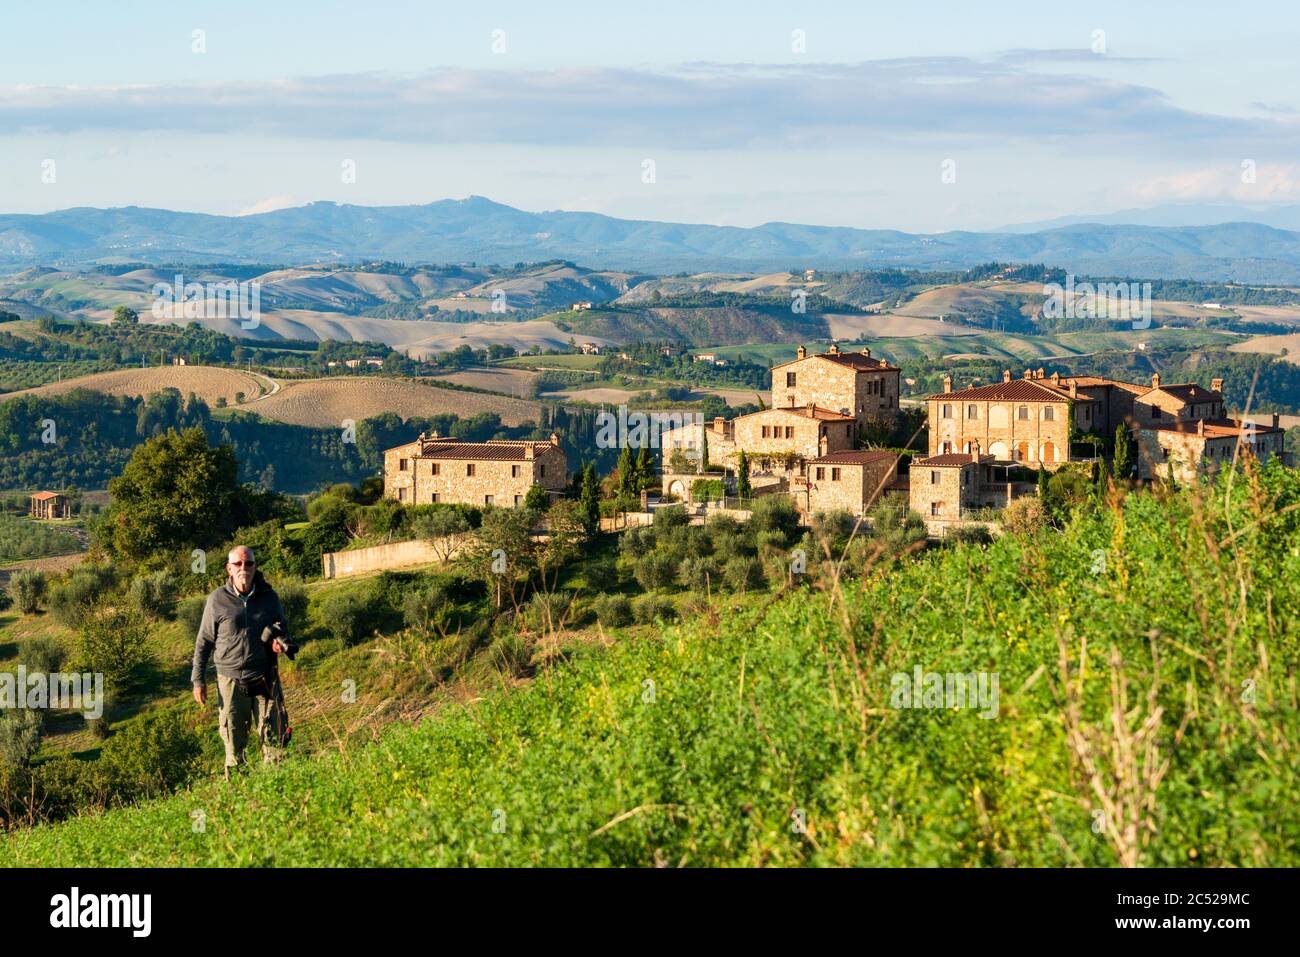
1174, 214
479, 230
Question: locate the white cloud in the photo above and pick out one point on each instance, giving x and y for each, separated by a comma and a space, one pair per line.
693, 106
1273, 183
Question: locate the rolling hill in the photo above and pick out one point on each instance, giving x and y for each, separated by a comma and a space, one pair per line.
478, 230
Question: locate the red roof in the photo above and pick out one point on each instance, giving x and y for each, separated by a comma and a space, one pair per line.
44, 496
858, 361
861, 457
1017, 390
1190, 392
499, 450
1214, 428
950, 460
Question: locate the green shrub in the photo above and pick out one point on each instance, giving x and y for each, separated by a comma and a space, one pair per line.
547, 612
613, 611
294, 601
44, 655
698, 573
189, 612
82, 587
1024, 516
152, 595
743, 573
656, 569
537, 498
344, 617
511, 654
969, 534
20, 735
776, 513
27, 588
674, 516
647, 609
6, 601
115, 641
423, 607
152, 755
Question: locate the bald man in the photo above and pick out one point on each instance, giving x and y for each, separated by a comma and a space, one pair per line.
244, 629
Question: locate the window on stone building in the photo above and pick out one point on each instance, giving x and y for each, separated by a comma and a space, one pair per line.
519, 500
1022, 413
934, 507
821, 473
435, 468
541, 470
489, 499
433, 497
469, 469
766, 432
401, 465
514, 471
835, 475
934, 477
789, 380
947, 411
1155, 411
789, 431
972, 412
401, 495
1049, 414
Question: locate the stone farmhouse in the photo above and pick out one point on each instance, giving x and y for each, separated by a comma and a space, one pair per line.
1183, 449
847, 481
438, 469
819, 403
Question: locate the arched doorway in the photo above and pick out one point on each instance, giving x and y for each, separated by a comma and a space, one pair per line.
677, 488
1049, 453
1022, 452
999, 451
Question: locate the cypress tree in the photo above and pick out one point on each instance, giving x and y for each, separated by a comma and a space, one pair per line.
743, 488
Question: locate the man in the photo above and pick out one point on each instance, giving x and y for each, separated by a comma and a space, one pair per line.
243, 623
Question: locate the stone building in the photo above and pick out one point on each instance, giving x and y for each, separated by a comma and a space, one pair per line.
1163, 404
1018, 420
802, 432
944, 487
438, 469
49, 505
850, 383
850, 481
1185, 449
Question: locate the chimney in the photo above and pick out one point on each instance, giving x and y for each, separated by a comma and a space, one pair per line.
834, 350
801, 353
1155, 380
1275, 420
719, 425
821, 444
1200, 426
1074, 389
1056, 378
867, 352
1216, 385
529, 450
1029, 373
1039, 373
975, 451
1006, 375
947, 383
555, 438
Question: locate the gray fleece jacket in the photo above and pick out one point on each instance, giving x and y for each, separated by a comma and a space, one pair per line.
232, 627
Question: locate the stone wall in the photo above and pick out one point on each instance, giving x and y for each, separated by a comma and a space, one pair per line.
841, 487
360, 561
798, 434
867, 395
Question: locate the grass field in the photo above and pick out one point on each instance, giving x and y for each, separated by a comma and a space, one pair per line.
767, 732
325, 403
521, 383
207, 382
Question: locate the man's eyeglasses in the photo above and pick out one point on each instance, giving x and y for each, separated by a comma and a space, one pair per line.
241, 564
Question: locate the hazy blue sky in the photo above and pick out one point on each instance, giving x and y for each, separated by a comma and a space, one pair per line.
113, 103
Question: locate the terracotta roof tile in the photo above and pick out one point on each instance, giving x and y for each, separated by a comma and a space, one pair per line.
950, 460
1017, 390
861, 457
